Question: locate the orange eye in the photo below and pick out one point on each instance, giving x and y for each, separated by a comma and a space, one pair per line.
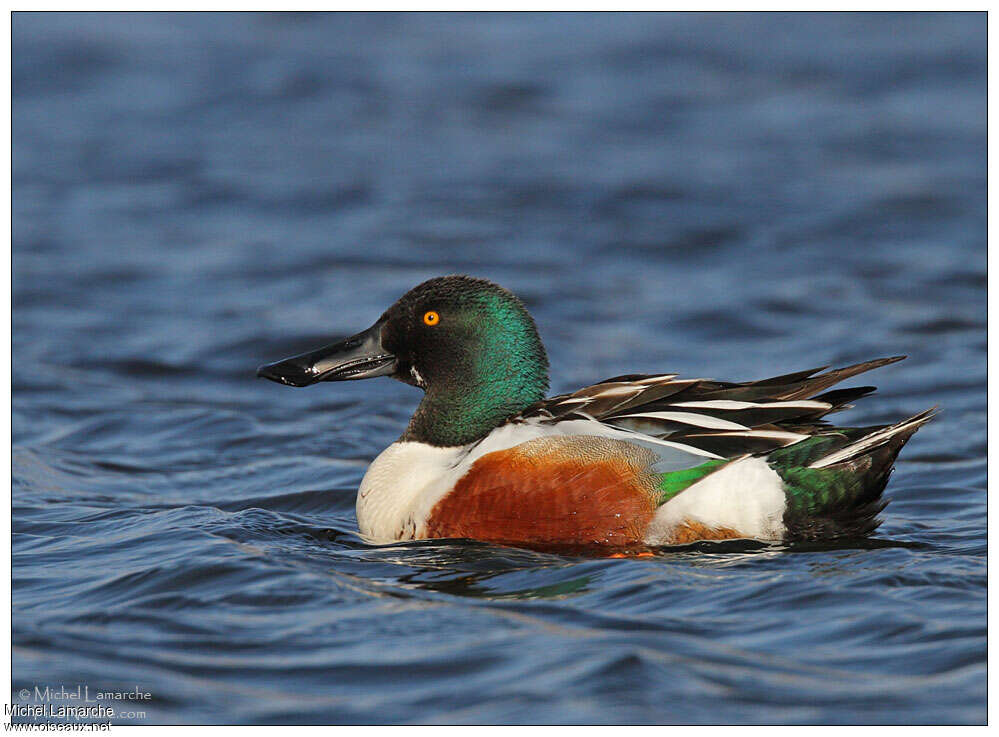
431, 318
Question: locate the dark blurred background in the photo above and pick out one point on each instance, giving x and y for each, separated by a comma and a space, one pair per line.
723, 195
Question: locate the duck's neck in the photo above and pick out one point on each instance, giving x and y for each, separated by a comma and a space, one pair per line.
454, 418
479, 391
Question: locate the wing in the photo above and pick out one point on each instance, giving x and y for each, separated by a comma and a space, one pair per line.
723, 419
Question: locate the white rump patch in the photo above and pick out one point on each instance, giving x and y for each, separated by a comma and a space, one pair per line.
745, 495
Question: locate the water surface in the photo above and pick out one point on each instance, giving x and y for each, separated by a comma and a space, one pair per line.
723, 196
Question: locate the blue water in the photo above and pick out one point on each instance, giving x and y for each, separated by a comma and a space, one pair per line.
722, 196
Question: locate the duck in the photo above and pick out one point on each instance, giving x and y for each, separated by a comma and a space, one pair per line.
633, 462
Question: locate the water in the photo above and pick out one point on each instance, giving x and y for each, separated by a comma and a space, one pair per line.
724, 196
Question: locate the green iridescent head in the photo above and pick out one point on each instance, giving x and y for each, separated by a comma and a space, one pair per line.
468, 343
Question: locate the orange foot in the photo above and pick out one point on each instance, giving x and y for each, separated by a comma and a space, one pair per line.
644, 554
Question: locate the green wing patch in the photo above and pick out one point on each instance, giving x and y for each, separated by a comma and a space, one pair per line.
673, 482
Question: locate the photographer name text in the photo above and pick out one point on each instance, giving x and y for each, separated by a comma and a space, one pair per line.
82, 693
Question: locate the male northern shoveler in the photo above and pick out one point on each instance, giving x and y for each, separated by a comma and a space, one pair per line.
636, 460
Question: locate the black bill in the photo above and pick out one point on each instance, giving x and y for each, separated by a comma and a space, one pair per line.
361, 356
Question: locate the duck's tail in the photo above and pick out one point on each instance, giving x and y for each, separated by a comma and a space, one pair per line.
833, 481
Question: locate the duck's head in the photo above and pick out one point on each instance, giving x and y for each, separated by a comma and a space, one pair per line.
469, 344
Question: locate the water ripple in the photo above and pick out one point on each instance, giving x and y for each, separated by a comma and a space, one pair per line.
729, 196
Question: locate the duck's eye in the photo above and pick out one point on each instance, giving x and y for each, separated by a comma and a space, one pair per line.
431, 318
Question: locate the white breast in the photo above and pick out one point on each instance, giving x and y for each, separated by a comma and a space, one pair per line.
395, 483
406, 480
